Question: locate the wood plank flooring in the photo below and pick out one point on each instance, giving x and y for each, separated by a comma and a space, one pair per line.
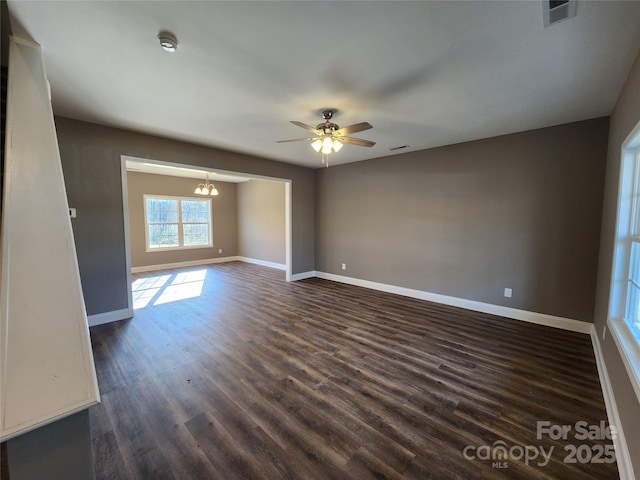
258, 378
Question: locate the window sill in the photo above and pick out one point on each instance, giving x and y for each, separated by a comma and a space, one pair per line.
627, 339
171, 249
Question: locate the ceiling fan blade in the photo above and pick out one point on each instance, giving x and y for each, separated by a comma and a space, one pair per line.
356, 141
306, 127
356, 127
296, 140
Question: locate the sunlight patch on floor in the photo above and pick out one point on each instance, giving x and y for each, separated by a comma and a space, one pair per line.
163, 289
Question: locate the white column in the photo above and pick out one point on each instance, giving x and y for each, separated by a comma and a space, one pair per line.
46, 363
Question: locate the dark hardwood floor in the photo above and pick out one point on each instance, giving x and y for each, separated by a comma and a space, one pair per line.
255, 377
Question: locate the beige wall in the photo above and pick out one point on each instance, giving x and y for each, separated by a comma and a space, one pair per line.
520, 211
261, 221
624, 118
248, 219
224, 209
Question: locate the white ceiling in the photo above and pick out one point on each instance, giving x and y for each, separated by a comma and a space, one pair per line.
424, 74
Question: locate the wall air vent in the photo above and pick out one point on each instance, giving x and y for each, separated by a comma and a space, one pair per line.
554, 11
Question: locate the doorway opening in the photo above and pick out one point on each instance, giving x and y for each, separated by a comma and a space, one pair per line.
270, 196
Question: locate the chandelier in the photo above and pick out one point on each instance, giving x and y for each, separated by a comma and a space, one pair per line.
206, 188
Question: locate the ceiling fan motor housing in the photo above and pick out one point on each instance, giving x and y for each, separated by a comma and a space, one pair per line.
327, 127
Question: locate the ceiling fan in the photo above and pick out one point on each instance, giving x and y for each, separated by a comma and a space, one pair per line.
330, 137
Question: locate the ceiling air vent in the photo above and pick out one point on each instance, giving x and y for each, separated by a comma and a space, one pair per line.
554, 11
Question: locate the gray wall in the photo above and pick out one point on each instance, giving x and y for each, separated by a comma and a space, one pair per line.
94, 188
224, 210
519, 211
261, 220
624, 118
91, 162
61, 450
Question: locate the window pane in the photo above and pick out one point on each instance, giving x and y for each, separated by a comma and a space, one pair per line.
634, 263
633, 304
195, 234
196, 211
635, 210
633, 294
162, 210
162, 235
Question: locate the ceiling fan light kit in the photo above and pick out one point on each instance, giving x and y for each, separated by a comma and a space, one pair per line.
326, 145
330, 137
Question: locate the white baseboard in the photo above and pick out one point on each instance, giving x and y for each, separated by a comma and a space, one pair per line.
301, 276
264, 263
532, 317
190, 263
206, 261
108, 317
623, 457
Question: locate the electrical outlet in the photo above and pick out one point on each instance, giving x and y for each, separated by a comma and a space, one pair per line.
344, 266
72, 212
219, 250
508, 292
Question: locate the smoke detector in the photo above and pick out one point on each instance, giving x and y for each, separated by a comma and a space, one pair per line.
168, 41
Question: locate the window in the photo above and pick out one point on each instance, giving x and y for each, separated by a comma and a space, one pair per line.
624, 301
173, 223
633, 263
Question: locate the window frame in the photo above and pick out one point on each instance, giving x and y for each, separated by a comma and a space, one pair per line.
180, 223
625, 332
